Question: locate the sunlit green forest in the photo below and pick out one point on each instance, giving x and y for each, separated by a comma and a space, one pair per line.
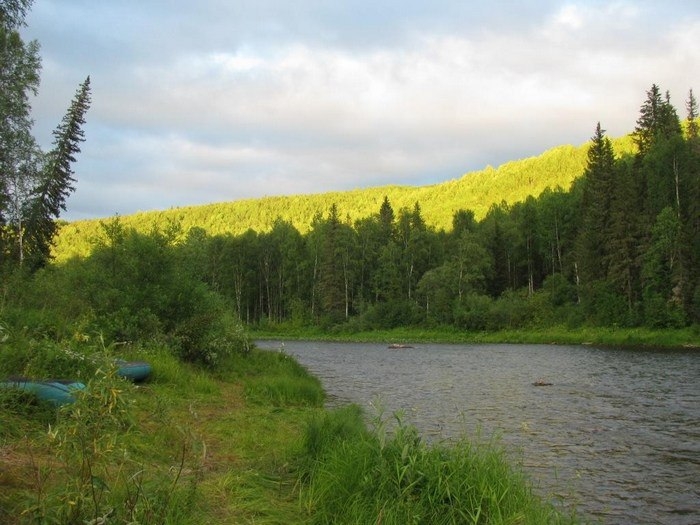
477, 191
605, 234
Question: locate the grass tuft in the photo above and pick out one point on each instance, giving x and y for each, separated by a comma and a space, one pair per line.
363, 477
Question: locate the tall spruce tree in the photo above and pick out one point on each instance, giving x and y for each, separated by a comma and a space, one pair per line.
596, 207
627, 240
690, 248
657, 120
56, 181
333, 291
692, 119
33, 186
386, 220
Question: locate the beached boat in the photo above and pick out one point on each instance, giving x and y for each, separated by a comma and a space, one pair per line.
56, 391
135, 371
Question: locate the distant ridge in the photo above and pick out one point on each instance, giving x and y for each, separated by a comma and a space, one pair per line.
511, 182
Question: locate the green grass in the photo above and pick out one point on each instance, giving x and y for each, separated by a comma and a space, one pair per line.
358, 476
247, 443
667, 338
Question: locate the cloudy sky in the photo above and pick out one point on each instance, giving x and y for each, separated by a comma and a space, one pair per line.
219, 100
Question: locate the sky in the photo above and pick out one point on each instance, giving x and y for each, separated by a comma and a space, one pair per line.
221, 100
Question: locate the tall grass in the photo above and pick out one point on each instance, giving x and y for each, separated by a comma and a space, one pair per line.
95, 464
612, 336
355, 476
275, 378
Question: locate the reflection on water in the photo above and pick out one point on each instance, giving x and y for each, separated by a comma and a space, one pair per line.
616, 434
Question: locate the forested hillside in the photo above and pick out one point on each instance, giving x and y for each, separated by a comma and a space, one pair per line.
511, 182
604, 234
607, 234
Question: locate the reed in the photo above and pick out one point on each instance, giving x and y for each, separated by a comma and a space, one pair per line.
356, 476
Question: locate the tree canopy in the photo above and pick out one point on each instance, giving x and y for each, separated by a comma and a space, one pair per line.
34, 184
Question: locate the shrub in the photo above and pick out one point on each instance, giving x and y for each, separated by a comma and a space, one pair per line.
473, 313
392, 314
97, 476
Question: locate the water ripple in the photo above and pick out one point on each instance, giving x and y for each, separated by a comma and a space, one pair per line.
617, 434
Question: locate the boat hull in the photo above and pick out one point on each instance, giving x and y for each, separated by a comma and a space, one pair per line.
58, 392
135, 371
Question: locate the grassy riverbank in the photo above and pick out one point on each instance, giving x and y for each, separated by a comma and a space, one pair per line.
246, 443
187, 447
669, 338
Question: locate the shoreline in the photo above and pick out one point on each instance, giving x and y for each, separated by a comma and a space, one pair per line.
625, 338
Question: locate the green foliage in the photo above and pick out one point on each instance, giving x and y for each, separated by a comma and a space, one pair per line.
474, 312
99, 471
24, 355
620, 246
34, 186
391, 314
284, 381
355, 476
133, 288
477, 191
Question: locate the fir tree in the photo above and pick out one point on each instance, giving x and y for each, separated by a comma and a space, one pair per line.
596, 206
386, 220
57, 181
658, 119
692, 119
331, 280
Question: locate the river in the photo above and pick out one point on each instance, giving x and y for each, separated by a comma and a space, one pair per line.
616, 435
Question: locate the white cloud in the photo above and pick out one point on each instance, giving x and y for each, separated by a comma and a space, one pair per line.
265, 104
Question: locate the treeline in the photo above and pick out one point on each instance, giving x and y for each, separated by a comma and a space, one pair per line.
511, 182
622, 247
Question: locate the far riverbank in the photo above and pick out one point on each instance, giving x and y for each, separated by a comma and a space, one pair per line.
607, 336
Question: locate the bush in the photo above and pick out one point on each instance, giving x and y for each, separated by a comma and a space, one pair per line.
392, 314
661, 313
47, 359
96, 476
511, 311
474, 312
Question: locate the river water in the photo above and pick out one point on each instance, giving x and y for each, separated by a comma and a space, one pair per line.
616, 435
